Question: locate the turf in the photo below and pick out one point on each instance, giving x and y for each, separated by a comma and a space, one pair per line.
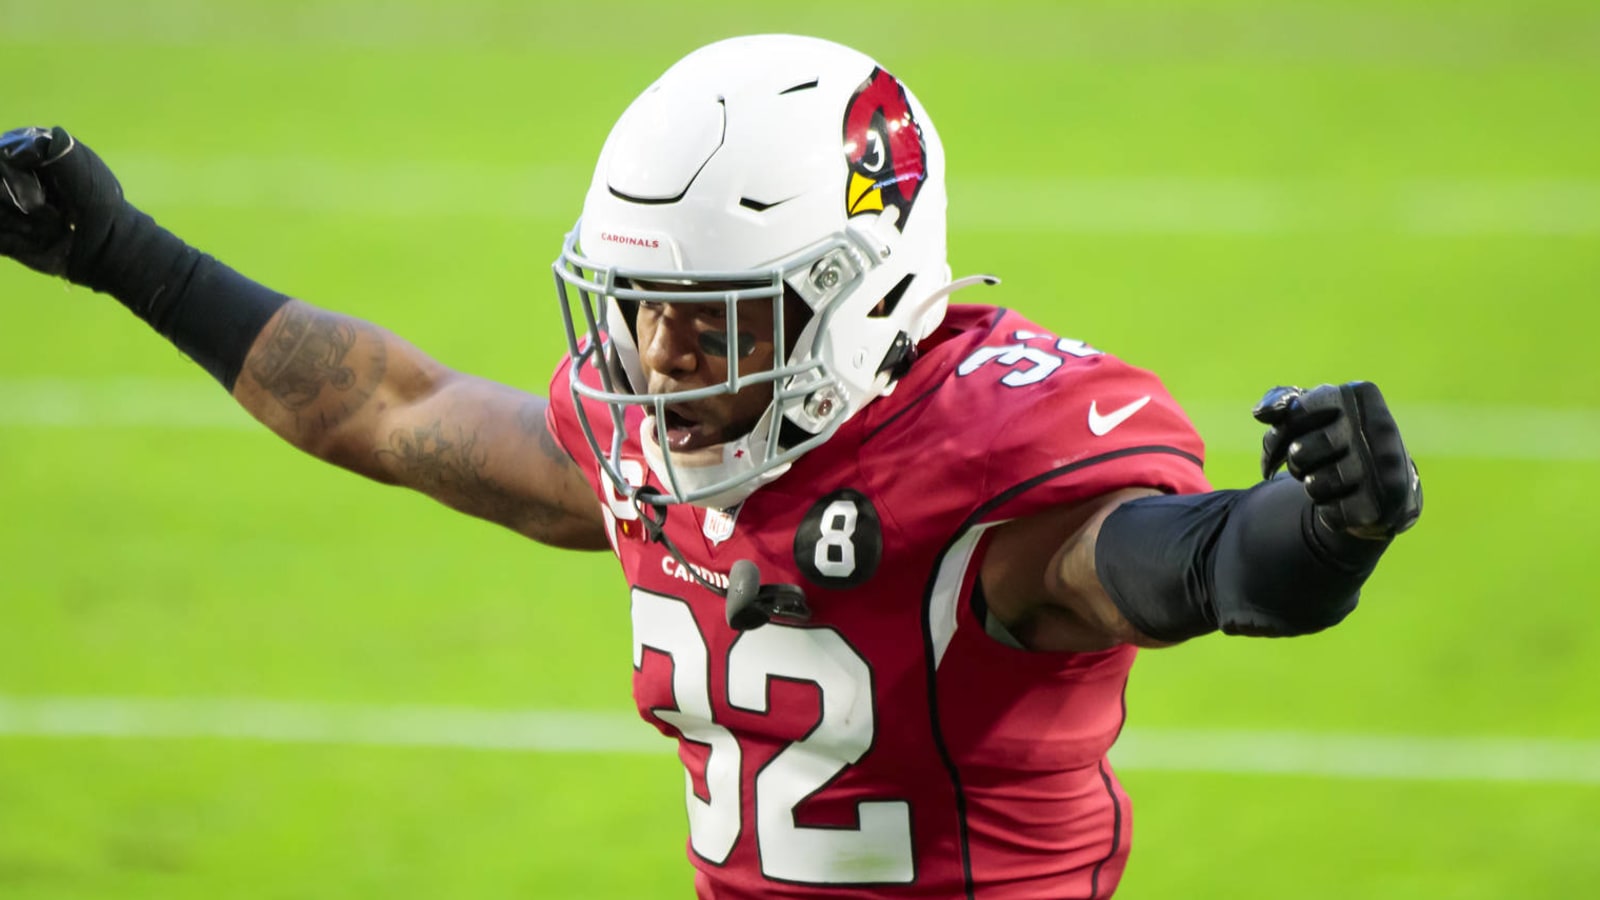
1236, 194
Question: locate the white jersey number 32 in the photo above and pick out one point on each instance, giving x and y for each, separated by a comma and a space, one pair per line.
879, 851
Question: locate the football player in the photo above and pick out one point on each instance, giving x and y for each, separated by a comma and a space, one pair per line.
890, 559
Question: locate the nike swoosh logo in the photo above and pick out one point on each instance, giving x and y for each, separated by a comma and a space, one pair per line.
1101, 426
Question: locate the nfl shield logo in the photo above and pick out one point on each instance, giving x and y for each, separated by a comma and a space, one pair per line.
718, 525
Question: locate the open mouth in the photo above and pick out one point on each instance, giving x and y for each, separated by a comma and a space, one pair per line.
686, 432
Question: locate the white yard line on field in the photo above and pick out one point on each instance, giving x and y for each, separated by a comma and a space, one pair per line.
1548, 761
1145, 205
1432, 432
159, 403
1367, 35
1465, 758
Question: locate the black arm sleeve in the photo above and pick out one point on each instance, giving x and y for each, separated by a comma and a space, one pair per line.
1253, 562
212, 313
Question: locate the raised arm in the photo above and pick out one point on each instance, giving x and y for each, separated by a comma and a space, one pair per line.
1286, 557
337, 387
357, 396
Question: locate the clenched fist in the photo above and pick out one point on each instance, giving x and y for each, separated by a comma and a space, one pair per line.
1341, 443
62, 213
60, 206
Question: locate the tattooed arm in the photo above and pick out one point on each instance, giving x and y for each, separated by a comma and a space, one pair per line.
348, 392
335, 386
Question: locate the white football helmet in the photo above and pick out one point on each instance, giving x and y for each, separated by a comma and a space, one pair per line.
780, 168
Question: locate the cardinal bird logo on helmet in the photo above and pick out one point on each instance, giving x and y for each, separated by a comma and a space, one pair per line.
883, 144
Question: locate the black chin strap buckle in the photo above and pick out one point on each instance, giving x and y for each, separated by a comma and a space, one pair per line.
783, 601
751, 604
771, 601
897, 361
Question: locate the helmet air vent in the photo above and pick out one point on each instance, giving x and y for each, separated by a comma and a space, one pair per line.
885, 308
752, 203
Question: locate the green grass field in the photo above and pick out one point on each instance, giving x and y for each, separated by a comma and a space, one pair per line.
1236, 194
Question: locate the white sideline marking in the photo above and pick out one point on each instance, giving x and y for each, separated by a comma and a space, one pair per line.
377, 188
1017, 203
1457, 432
305, 723
168, 403
1443, 36
1474, 432
1548, 761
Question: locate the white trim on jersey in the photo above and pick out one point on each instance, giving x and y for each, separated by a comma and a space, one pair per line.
945, 597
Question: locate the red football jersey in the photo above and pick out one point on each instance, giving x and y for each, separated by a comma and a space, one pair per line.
889, 746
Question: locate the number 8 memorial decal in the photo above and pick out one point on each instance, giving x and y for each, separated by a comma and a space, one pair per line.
840, 541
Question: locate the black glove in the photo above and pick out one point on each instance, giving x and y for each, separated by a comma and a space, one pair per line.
62, 212
60, 206
1342, 444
